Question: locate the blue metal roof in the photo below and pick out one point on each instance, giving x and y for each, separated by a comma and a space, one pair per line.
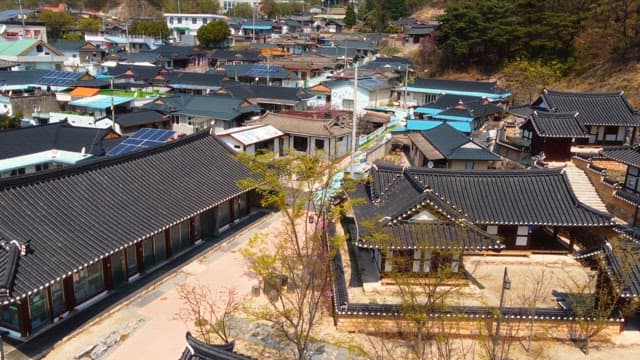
452, 118
415, 124
100, 101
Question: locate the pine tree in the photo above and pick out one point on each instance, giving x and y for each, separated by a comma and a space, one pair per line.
350, 16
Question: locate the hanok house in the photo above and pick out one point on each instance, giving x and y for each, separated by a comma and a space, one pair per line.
528, 209
330, 136
621, 265
630, 156
446, 147
71, 236
552, 134
608, 117
399, 227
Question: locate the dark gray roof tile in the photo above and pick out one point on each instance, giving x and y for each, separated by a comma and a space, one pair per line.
76, 215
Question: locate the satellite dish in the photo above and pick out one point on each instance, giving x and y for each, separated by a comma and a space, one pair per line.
430, 164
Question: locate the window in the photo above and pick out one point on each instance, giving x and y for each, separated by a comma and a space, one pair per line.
492, 229
224, 214
179, 20
132, 264
171, 20
527, 134
16, 172
39, 310
194, 20
41, 167
158, 247
522, 236
319, 144
10, 316
468, 165
300, 143
632, 183
416, 260
204, 21
88, 282
57, 298
148, 255
117, 268
347, 104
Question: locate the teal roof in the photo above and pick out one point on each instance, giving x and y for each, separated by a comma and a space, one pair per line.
419, 125
427, 110
16, 47
452, 117
490, 96
100, 101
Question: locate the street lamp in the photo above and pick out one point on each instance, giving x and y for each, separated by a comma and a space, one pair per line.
506, 285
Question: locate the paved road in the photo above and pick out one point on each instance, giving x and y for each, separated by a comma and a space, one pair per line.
143, 315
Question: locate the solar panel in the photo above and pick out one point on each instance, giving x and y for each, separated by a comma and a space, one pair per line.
142, 139
60, 78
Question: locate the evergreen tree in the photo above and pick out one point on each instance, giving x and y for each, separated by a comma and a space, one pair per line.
350, 16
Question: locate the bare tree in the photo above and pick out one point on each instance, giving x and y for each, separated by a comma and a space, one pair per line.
208, 312
298, 257
600, 299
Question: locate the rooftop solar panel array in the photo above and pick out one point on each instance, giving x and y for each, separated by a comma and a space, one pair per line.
263, 69
60, 78
142, 139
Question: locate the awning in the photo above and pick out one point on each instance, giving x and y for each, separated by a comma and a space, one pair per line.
84, 91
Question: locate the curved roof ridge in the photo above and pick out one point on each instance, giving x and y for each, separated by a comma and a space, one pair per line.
73, 170
492, 172
586, 93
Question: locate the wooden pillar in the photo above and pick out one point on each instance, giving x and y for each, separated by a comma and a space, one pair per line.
107, 273
167, 242
216, 222
139, 257
23, 317
571, 241
232, 204
192, 231
69, 293
50, 303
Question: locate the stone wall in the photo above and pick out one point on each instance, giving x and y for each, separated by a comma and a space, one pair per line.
26, 104
474, 327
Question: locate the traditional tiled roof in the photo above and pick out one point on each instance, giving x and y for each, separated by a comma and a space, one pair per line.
220, 107
304, 126
137, 118
511, 197
198, 350
597, 109
247, 55
390, 199
191, 80
558, 125
439, 235
626, 155
138, 72
454, 145
622, 265
453, 86
74, 216
267, 94
57, 136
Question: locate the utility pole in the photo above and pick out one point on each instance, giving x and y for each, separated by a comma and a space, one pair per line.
253, 29
354, 122
406, 84
506, 285
21, 14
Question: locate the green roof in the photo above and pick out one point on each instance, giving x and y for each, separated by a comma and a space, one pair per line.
16, 47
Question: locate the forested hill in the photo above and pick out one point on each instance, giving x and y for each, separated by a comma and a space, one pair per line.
585, 45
